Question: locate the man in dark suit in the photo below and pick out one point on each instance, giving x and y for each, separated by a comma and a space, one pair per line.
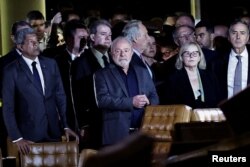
137, 33
226, 64
83, 68
75, 36
34, 107
12, 55
122, 91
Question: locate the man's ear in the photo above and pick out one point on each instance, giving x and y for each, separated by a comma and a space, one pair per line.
12, 38
135, 39
92, 37
20, 47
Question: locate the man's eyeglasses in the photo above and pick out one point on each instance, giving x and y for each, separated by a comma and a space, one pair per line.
189, 54
185, 36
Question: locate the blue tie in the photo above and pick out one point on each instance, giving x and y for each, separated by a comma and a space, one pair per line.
36, 76
238, 76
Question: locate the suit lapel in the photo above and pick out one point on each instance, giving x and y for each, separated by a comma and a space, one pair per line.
45, 73
186, 85
248, 72
137, 60
223, 77
138, 74
29, 74
94, 62
26, 69
118, 77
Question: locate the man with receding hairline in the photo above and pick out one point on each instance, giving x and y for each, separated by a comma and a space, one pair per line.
122, 90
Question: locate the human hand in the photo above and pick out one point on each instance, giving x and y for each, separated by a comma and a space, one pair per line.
57, 18
23, 146
139, 101
69, 132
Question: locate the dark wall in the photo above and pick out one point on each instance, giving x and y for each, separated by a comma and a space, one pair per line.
225, 13
142, 9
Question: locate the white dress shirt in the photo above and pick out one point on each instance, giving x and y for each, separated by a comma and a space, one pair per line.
39, 69
231, 70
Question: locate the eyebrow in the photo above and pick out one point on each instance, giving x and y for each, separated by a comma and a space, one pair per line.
191, 51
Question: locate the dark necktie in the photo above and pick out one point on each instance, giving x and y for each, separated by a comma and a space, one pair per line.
238, 76
36, 76
105, 60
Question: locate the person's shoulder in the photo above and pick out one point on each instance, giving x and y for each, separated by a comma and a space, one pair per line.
103, 71
205, 72
44, 58
11, 65
9, 57
11, 52
142, 71
248, 48
138, 67
84, 58
46, 61
54, 52
177, 74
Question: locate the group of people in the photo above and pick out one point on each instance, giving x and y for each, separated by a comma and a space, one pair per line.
95, 89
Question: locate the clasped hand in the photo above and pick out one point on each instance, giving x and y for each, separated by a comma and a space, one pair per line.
140, 101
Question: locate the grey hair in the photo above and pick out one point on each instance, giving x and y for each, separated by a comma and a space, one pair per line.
119, 38
236, 21
21, 35
179, 61
95, 24
176, 32
132, 30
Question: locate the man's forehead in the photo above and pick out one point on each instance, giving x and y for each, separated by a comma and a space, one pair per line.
37, 22
31, 37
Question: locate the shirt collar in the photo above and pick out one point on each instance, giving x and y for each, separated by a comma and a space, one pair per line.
99, 54
137, 52
73, 56
243, 54
18, 51
29, 61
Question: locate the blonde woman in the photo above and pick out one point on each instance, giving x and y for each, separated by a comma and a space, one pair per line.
192, 84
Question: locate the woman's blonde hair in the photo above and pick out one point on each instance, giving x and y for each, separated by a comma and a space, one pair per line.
179, 61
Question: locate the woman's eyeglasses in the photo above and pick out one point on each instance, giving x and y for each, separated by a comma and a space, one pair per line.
189, 54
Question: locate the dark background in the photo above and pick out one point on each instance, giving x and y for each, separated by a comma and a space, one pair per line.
146, 9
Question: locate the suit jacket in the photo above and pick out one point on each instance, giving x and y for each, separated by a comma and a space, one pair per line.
178, 89
7, 59
210, 56
220, 67
114, 101
29, 113
83, 69
4, 61
136, 60
64, 62
88, 115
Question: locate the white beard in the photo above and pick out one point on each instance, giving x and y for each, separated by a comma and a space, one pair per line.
124, 63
